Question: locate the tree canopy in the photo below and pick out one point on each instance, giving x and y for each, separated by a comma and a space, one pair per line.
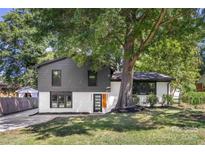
171, 57
19, 51
127, 35
163, 40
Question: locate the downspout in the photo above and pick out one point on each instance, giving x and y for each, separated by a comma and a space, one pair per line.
168, 88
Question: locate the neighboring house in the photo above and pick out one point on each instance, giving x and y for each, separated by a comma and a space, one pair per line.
27, 92
65, 87
200, 84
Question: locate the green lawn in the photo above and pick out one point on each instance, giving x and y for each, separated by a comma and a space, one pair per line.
155, 126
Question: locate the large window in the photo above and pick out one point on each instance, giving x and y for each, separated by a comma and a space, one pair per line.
61, 100
144, 88
56, 77
92, 78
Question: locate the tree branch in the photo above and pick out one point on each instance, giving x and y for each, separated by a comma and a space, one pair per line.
171, 19
154, 30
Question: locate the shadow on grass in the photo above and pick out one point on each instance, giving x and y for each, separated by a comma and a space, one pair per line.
119, 122
61, 127
180, 118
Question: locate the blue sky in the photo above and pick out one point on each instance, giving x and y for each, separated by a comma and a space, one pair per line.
3, 11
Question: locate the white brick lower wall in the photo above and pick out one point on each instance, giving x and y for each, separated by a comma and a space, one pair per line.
83, 101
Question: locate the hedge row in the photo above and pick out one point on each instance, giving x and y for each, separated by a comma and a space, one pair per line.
194, 98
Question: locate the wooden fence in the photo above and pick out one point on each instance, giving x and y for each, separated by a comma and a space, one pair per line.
14, 104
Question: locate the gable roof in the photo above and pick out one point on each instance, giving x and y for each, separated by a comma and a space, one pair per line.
26, 89
50, 61
138, 76
144, 76
56, 60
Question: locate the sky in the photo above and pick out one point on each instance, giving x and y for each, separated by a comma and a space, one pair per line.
4, 11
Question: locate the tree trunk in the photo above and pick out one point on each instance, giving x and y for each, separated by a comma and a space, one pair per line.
129, 58
125, 95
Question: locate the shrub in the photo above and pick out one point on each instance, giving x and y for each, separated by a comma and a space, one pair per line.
167, 99
152, 99
136, 99
194, 98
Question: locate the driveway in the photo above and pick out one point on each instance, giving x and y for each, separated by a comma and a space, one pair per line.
24, 119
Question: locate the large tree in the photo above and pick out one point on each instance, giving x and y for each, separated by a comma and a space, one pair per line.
106, 35
18, 51
180, 60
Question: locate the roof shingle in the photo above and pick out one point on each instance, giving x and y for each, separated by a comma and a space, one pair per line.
145, 76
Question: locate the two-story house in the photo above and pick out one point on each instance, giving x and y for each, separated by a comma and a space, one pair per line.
66, 88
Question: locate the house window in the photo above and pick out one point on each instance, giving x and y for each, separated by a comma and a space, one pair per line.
56, 77
144, 88
92, 78
27, 95
61, 100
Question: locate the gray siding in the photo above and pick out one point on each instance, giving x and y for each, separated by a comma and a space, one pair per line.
73, 78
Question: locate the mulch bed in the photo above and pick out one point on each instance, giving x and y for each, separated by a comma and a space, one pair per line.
130, 109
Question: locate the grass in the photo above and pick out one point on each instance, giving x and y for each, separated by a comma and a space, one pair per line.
154, 126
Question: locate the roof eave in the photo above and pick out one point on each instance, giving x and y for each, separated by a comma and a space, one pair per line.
148, 80
49, 62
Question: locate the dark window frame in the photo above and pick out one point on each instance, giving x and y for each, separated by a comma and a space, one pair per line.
94, 101
61, 93
52, 82
134, 91
92, 83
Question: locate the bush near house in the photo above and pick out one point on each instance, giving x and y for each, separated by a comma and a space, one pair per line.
167, 99
194, 98
152, 100
136, 99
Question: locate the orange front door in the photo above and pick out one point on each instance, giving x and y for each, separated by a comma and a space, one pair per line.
104, 100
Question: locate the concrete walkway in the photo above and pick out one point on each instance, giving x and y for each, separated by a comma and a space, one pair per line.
23, 119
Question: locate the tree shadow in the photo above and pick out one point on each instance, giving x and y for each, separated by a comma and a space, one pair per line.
60, 127
184, 119
119, 122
